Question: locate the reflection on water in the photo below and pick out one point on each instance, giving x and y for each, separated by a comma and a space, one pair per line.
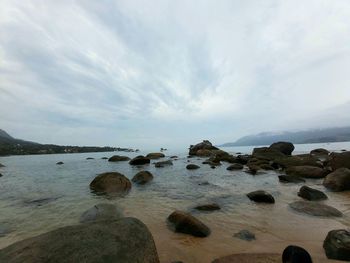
36, 196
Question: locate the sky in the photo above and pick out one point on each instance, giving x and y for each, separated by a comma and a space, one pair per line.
162, 73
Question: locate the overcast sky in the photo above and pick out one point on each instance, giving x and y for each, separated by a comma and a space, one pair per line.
168, 73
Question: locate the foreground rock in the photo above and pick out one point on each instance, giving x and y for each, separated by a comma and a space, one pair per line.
245, 235
306, 172
205, 145
155, 155
296, 254
311, 194
188, 224
192, 167
139, 160
315, 209
101, 212
235, 166
163, 163
298, 160
250, 258
339, 160
118, 158
290, 179
337, 245
60, 163
261, 196
142, 177
208, 207
338, 181
111, 182
126, 240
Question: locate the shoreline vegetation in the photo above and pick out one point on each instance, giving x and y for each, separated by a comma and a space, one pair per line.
108, 236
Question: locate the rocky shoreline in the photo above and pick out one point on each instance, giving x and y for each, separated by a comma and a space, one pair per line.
332, 168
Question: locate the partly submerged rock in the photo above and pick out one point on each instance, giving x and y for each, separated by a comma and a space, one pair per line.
295, 254
163, 163
118, 158
306, 171
261, 196
245, 235
188, 224
337, 244
339, 160
60, 163
290, 179
155, 155
41, 201
208, 207
311, 194
250, 258
101, 212
1, 165
192, 166
110, 182
205, 145
104, 158
90, 158
139, 160
142, 177
126, 240
298, 160
339, 180
315, 209
319, 152
235, 166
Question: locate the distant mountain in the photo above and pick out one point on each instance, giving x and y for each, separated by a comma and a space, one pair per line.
13, 146
308, 136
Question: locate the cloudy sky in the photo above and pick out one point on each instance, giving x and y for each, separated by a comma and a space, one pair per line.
169, 73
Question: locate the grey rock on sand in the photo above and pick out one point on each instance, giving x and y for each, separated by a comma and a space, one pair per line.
101, 212
311, 194
110, 182
126, 240
261, 196
192, 167
315, 209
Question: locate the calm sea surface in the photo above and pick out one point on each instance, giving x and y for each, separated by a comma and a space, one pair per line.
37, 196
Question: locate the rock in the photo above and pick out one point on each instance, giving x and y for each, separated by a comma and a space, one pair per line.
319, 151
142, 177
163, 163
298, 160
104, 158
126, 240
235, 166
337, 245
1, 165
245, 235
1, 175
118, 158
41, 201
315, 209
101, 212
205, 145
90, 158
60, 163
188, 224
4, 231
204, 153
155, 155
311, 194
290, 179
253, 169
267, 153
192, 167
295, 254
284, 147
338, 181
261, 196
139, 160
306, 171
204, 183
250, 258
339, 160
208, 207
110, 182
243, 159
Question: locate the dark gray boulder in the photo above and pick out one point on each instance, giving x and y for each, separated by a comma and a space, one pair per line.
110, 182
118, 158
319, 152
315, 209
311, 194
101, 212
60, 163
306, 171
126, 240
192, 167
337, 245
284, 147
142, 177
235, 166
339, 180
205, 145
290, 179
155, 155
139, 160
339, 160
261, 196
163, 163
295, 254
185, 223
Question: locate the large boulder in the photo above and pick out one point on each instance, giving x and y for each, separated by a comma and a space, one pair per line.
111, 182
192, 166
261, 196
311, 194
298, 160
339, 160
118, 158
142, 177
319, 152
101, 212
185, 223
337, 245
267, 153
315, 209
284, 147
163, 163
155, 155
338, 181
205, 145
250, 258
295, 254
139, 160
306, 171
126, 240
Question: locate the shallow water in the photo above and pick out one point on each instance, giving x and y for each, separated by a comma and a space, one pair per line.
37, 196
